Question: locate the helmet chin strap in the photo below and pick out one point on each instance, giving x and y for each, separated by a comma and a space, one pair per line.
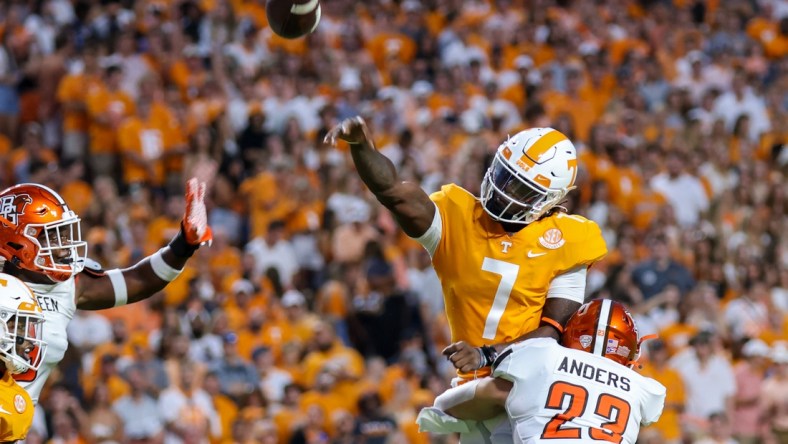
12, 366
636, 362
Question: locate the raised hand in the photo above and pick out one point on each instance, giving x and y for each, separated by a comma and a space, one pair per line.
352, 130
195, 220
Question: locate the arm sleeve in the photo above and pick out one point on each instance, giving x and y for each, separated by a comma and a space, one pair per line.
570, 285
653, 402
456, 395
432, 237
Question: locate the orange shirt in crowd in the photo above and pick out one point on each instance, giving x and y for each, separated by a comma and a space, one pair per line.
623, 183
228, 412
669, 424
149, 138
386, 45
113, 105
78, 194
74, 89
347, 358
188, 82
646, 205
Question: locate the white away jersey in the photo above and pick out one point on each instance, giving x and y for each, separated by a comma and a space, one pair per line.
567, 396
58, 302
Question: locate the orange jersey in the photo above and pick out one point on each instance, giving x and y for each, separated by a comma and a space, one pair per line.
495, 284
16, 410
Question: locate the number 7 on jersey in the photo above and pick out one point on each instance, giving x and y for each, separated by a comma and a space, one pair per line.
508, 273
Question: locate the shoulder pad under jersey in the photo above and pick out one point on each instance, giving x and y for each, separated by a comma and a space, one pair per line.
92, 268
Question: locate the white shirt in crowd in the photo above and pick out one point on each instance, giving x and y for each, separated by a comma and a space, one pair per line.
707, 386
685, 194
729, 107
280, 256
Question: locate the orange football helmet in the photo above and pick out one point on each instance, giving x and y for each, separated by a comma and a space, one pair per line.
38, 232
605, 328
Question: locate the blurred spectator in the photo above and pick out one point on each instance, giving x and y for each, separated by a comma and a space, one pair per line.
88, 329
273, 380
372, 425
347, 363
669, 427
774, 393
313, 430
719, 431
683, 191
32, 154
139, 412
107, 107
343, 422
742, 100
187, 412
708, 381
273, 251
65, 429
424, 281
144, 360
103, 424
301, 322
225, 407
654, 275
384, 315
748, 314
750, 373
236, 375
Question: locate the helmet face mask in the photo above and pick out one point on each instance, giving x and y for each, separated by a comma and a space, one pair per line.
61, 248
37, 218
21, 327
530, 174
511, 198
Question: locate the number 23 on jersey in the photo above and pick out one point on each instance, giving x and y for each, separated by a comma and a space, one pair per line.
612, 409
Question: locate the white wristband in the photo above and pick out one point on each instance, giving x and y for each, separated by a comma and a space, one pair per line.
162, 270
119, 285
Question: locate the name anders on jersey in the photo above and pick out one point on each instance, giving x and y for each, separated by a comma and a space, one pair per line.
587, 371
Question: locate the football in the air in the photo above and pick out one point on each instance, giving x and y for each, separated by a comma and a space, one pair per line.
292, 19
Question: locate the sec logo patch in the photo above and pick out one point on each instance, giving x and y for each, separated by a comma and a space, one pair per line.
19, 403
552, 239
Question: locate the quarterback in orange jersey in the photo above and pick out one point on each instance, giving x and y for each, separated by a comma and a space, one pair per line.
41, 244
21, 350
510, 265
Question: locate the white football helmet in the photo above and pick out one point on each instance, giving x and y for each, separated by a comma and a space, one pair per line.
530, 174
21, 323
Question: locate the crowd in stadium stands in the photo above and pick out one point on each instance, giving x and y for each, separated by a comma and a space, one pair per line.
312, 318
